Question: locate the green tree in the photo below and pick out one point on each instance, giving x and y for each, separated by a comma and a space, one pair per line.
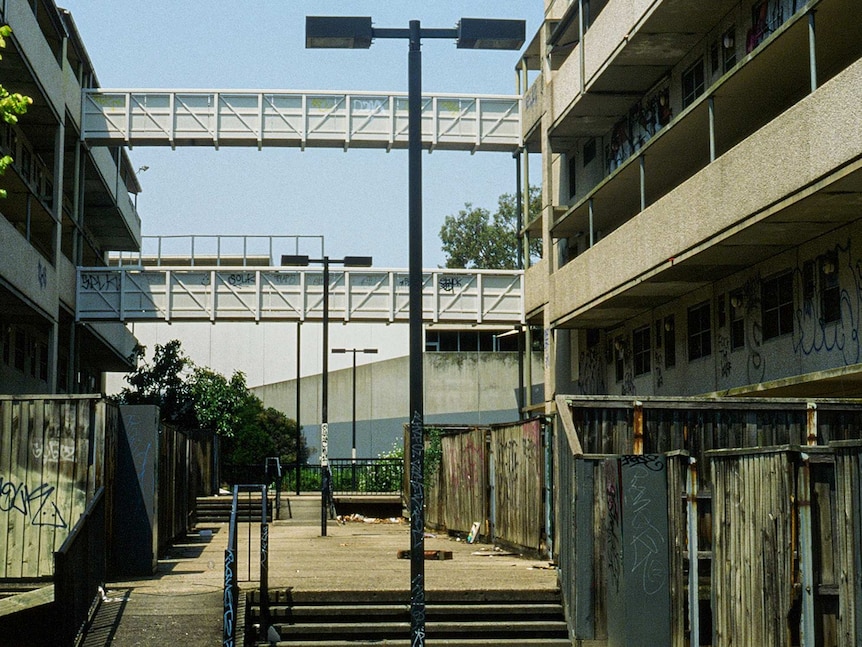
197, 397
11, 105
475, 238
165, 383
217, 400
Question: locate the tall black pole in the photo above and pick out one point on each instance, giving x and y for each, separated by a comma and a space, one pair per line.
353, 448
522, 251
417, 447
324, 406
298, 401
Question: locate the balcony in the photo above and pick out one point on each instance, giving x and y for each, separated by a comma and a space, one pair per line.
794, 179
628, 48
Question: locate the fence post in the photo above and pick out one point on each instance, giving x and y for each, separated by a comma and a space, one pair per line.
264, 567
693, 584
806, 560
638, 428
230, 601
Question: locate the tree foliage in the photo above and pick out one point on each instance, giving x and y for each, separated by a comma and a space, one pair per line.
11, 105
164, 382
192, 397
475, 238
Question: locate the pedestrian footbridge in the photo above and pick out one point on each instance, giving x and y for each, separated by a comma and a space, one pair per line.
297, 118
129, 294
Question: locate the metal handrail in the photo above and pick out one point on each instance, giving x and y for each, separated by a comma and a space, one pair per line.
231, 571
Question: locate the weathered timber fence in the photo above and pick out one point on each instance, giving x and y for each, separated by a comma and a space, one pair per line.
846, 572
518, 479
456, 494
759, 538
79, 569
491, 475
52, 460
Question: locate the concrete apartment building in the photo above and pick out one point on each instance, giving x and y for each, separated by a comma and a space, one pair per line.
68, 205
702, 183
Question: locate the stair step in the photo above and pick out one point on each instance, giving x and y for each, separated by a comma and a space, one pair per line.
358, 613
451, 628
437, 642
524, 618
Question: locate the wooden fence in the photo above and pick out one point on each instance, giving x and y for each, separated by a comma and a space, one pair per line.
491, 475
761, 537
52, 460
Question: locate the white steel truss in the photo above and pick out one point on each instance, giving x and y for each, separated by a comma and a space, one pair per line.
297, 118
295, 294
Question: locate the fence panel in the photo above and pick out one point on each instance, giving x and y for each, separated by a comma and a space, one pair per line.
80, 566
518, 477
48, 473
848, 478
457, 496
754, 542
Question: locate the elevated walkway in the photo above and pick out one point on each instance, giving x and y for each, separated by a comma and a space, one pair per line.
297, 118
128, 294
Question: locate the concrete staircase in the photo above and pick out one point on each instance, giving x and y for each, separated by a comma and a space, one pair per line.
465, 619
216, 509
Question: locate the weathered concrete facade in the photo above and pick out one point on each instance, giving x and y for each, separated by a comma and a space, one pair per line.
67, 205
702, 175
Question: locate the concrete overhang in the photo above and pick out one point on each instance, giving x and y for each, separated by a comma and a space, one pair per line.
649, 51
818, 209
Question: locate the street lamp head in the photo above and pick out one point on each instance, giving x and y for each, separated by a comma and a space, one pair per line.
340, 32
294, 260
369, 351
489, 33
357, 261
339, 351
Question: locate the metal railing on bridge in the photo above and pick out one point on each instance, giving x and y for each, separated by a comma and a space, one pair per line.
295, 294
297, 118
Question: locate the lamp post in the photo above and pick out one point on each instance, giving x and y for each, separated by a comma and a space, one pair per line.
471, 33
325, 475
354, 351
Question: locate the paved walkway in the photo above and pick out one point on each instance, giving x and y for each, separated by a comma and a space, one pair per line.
182, 603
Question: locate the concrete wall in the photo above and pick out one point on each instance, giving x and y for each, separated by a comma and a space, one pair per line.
460, 388
814, 345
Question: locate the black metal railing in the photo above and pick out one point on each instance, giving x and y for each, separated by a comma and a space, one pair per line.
231, 562
350, 476
79, 569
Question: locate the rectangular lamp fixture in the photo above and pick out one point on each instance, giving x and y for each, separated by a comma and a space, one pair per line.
341, 32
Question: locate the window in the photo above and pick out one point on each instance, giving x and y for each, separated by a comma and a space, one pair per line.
590, 151
737, 321
777, 304
809, 283
573, 175
619, 359
7, 344
20, 349
669, 342
693, 83
830, 291
728, 48
699, 331
641, 350
43, 362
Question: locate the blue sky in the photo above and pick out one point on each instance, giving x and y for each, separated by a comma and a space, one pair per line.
356, 199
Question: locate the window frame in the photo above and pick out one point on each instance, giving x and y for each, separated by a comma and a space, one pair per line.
642, 350
695, 77
777, 306
699, 319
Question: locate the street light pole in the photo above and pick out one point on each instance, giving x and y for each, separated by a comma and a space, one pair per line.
354, 351
471, 33
325, 474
